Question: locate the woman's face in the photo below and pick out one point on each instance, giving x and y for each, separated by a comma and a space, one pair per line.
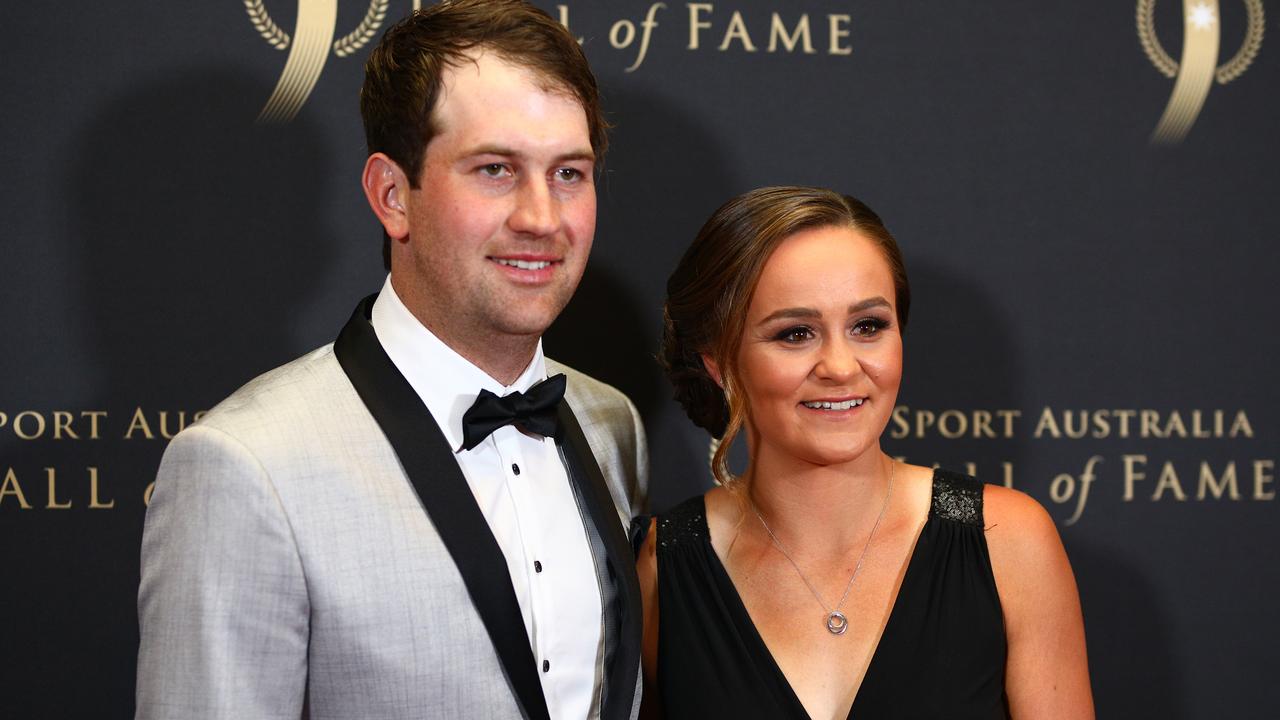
821, 353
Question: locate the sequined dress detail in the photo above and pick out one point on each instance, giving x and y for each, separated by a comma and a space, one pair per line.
941, 655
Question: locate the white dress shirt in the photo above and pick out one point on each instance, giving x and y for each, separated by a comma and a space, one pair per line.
523, 489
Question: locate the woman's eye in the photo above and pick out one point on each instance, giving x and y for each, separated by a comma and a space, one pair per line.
794, 335
869, 326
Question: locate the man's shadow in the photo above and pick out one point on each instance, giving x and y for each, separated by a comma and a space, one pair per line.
613, 326
196, 246
200, 241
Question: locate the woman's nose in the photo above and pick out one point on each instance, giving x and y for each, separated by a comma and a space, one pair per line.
838, 362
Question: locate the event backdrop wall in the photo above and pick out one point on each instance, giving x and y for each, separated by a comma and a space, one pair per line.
1085, 193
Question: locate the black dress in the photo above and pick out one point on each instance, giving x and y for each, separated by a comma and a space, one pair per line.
942, 654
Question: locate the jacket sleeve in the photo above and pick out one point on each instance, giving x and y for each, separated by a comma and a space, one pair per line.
222, 606
640, 490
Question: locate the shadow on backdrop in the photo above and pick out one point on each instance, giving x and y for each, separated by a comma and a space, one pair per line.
612, 327
958, 353
197, 241
1133, 665
201, 240
961, 353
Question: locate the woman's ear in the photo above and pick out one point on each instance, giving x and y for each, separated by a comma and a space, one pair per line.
713, 368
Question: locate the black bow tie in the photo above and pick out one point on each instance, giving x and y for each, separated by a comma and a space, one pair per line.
533, 411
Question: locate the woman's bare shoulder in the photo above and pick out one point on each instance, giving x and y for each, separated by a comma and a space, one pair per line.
1033, 575
1047, 670
721, 504
1016, 523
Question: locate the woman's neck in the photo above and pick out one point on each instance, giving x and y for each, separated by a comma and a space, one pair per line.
821, 507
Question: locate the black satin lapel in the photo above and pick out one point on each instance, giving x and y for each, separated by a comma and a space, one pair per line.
429, 462
621, 676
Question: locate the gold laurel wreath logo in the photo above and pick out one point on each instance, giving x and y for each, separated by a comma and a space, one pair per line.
364, 32
266, 27
309, 47
1198, 68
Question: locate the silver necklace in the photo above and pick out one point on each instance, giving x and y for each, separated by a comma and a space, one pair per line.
836, 621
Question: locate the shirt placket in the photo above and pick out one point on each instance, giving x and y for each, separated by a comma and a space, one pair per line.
519, 468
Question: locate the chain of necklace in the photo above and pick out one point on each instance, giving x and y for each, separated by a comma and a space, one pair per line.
837, 622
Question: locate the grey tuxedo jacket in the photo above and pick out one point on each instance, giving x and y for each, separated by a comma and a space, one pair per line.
312, 550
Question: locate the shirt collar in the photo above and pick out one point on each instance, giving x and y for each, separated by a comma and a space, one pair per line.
446, 382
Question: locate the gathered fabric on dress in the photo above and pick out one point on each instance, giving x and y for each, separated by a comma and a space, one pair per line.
942, 653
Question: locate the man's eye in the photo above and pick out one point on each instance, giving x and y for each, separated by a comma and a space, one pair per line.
568, 175
494, 170
869, 326
794, 335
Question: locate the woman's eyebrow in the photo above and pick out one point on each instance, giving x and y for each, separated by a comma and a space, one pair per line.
808, 313
867, 304
794, 312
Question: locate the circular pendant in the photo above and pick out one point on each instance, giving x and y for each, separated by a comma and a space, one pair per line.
837, 623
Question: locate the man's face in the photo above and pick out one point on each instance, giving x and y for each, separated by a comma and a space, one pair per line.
503, 218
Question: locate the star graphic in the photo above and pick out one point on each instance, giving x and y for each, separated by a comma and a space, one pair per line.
1202, 17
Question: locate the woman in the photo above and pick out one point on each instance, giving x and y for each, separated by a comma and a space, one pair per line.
828, 580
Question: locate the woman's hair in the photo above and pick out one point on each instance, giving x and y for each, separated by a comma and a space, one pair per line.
711, 288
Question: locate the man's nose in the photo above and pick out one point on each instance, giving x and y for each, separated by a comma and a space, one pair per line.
535, 212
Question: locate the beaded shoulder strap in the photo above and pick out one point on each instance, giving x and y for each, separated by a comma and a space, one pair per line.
683, 524
957, 497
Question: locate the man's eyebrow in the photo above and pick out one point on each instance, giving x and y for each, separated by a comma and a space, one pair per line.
504, 151
489, 149
577, 155
811, 313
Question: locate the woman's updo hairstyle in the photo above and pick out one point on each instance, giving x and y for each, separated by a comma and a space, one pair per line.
710, 290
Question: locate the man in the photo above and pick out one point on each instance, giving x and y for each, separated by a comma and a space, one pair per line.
409, 523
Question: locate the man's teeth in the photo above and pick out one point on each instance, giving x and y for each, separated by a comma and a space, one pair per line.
524, 264
824, 405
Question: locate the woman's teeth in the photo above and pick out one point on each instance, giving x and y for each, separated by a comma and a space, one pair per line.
824, 405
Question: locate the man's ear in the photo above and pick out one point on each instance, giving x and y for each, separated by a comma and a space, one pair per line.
713, 369
386, 187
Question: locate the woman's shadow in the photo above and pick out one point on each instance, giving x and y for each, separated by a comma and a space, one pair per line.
1134, 667
962, 354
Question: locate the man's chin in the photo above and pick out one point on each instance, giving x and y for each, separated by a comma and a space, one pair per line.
531, 325
527, 313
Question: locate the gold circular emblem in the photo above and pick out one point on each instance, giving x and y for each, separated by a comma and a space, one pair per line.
342, 47
1228, 71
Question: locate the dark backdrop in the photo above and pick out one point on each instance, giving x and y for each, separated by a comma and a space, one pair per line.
159, 248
